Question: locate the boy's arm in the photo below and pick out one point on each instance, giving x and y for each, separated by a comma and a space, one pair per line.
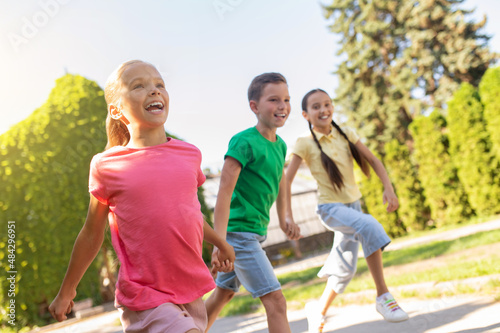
229, 176
389, 196
87, 245
284, 210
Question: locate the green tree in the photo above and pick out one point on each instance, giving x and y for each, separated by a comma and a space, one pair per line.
471, 151
401, 57
43, 188
412, 208
445, 47
443, 191
489, 90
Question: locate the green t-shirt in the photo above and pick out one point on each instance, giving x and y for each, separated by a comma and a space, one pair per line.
257, 187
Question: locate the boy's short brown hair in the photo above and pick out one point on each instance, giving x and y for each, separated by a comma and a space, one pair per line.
260, 81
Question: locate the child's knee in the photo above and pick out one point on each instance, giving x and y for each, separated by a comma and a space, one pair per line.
274, 302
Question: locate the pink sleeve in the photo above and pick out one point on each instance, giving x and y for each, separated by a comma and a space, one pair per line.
201, 178
96, 186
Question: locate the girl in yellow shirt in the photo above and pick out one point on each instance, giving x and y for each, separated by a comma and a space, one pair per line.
329, 152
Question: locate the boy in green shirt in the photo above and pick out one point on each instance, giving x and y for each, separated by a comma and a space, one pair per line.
252, 179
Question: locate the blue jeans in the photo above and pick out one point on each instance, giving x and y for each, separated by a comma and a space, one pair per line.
351, 227
252, 268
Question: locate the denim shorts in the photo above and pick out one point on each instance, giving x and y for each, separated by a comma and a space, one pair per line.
252, 268
352, 227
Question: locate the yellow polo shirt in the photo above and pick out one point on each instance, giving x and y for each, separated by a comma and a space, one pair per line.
337, 148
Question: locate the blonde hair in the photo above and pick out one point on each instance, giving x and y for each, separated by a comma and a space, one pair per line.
116, 130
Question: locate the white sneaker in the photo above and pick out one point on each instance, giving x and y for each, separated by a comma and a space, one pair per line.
389, 309
315, 320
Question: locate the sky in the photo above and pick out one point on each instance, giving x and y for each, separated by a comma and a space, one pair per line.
208, 51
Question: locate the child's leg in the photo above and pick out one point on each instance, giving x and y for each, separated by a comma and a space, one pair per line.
316, 310
275, 305
374, 262
341, 264
216, 302
327, 297
255, 272
252, 268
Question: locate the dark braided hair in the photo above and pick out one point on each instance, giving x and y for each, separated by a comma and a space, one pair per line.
330, 166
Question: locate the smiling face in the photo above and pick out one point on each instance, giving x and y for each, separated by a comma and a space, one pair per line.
319, 111
143, 99
273, 107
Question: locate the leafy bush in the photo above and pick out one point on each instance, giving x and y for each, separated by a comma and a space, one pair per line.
471, 151
44, 189
372, 190
412, 208
489, 90
443, 191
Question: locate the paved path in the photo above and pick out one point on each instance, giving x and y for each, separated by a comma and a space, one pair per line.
468, 314
444, 315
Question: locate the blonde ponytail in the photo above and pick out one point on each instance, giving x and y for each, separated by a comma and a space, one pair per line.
117, 132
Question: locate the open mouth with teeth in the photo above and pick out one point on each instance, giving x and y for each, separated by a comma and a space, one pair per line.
155, 107
280, 115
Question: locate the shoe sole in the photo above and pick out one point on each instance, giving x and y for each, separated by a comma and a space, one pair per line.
393, 321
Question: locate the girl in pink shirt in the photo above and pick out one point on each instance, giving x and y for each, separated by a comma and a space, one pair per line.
146, 185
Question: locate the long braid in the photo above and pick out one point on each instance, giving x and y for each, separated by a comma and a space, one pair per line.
354, 151
331, 168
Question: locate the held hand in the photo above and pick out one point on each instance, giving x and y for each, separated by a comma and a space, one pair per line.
391, 199
215, 260
222, 260
291, 230
60, 308
226, 254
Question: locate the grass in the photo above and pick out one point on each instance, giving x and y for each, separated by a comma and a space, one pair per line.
472, 221
299, 287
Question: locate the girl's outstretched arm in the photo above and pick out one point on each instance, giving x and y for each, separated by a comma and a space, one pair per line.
291, 171
87, 245
284, 210
389, 196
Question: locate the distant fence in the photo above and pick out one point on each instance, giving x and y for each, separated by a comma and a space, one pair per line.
304, 213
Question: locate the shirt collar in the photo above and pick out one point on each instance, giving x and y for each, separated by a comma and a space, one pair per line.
333, 134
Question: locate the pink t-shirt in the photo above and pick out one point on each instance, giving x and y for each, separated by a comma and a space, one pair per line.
155, 220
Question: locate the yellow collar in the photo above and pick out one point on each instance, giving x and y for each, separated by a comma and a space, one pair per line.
333, 133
